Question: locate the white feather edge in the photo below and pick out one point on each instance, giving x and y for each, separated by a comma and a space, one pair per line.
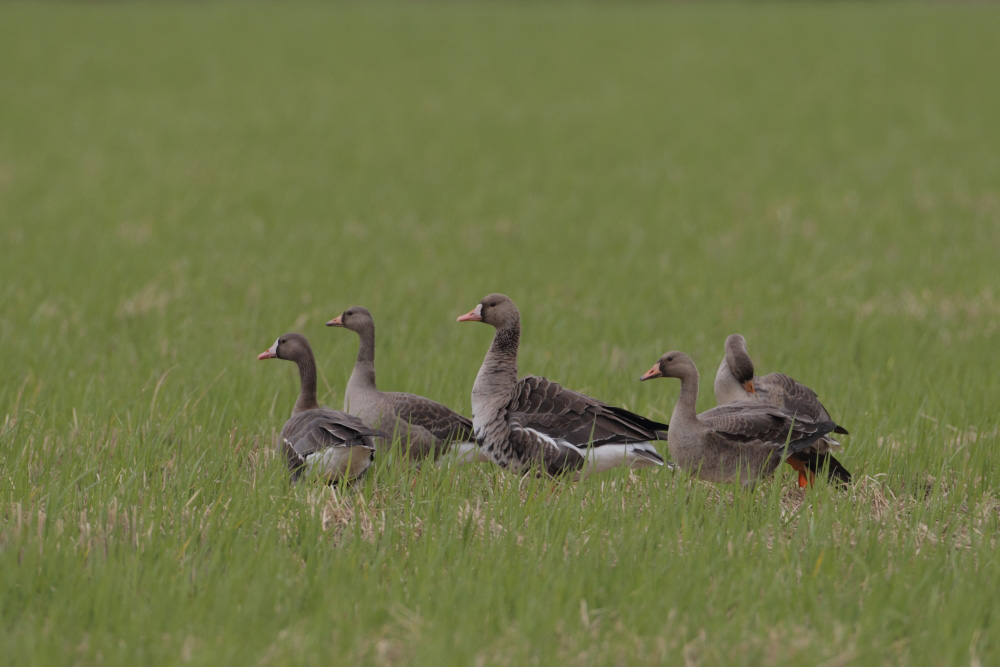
603, 457
338, 460
462, 453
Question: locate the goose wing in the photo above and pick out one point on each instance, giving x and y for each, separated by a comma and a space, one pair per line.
555, 456
440, 420
793, 396
558, 456
748, 422
561, 414
314, 431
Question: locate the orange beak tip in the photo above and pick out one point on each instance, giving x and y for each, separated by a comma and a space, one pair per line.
653, 372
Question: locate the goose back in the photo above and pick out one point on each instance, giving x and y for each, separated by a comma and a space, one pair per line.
335, 444
554, 410
440, 420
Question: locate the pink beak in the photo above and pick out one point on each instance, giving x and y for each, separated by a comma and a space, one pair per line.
335, 322
471, 316
653, 372
266, 354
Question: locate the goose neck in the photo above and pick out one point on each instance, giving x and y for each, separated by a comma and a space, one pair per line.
498, 374
502, 355
685, 411
727, 388
307, 380
363, 376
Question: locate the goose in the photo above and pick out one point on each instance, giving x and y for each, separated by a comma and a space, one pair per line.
741, 442
735, 381
334, 444
426, 428
534, 421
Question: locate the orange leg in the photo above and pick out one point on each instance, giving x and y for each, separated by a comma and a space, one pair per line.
806, 477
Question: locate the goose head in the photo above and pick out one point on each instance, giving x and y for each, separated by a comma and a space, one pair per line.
671, 365
497, 310
290, 346
355, 318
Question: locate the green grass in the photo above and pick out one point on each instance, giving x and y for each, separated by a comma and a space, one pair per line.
181, 184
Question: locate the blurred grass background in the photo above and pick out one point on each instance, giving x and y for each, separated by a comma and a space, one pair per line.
180, 184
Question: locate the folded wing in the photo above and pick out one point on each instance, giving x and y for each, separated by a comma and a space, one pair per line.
750, 422
323, 437
551, 409
443, 422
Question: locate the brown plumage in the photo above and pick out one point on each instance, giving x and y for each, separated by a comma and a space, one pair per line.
334, 444
740, 442
425, 427
542, 404
535, 421
735, 381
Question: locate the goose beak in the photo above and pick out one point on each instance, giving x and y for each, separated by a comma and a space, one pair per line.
269, 353
653, 372
335, 322
474, 315
748, 385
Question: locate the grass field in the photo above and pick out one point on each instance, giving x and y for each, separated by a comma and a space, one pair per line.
180, 184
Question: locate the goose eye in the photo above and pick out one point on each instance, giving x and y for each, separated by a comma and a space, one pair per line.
670, 358
282, 341
493, 304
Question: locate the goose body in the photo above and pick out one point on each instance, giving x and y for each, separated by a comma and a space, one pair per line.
735, 382
332, 443
317, 440
425, 427
739, 442
534, 421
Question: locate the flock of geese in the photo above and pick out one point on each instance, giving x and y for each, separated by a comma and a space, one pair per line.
532, 423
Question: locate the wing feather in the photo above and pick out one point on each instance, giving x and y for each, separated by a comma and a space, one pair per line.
443, 422
753, 422
314, 431
554, 456
563, 414
792, 396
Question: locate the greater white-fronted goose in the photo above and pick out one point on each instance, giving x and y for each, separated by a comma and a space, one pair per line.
534, 421
425, 427
735, 381
737, 442
336, 445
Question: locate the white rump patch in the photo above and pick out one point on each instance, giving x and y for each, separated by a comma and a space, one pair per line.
630, 455
339, 461
604, 457
462, 453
